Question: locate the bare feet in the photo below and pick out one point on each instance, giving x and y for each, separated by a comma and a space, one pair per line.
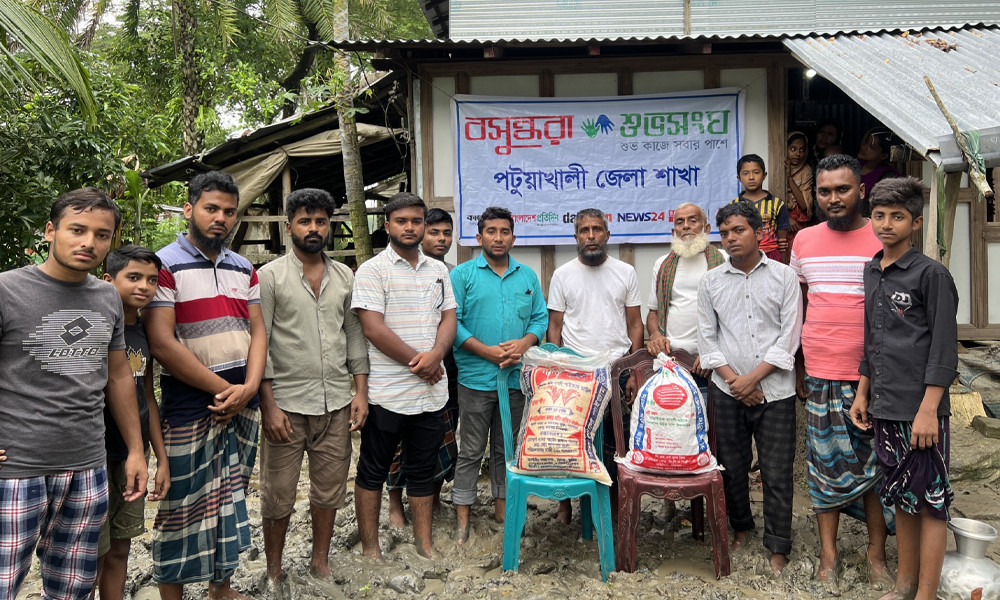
879, 577
224, 592
739, 541
778, 563
565, 513
499, 509
396, 515
320, 570
278, 587
424, 548
827, 574
895, 594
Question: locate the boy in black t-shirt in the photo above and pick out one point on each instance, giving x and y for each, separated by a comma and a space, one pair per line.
910, 360
133, 270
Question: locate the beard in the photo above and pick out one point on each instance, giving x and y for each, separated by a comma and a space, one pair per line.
311, 244
212, 243
405, 246
689, 248
592, 257
844, 223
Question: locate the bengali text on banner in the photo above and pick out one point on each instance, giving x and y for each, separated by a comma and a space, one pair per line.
634, 157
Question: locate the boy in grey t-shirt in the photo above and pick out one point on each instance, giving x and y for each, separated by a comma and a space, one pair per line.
61, 344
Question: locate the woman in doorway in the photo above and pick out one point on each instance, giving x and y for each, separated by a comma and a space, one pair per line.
799, 183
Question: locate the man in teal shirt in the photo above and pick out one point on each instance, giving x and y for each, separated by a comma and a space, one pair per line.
501, 313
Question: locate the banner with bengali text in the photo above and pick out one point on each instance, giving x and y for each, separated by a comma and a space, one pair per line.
634, 157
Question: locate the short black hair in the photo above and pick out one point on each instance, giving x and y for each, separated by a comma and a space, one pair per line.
907, 192
594, 213
404, 200
437, 215
120, 258
310, 199
750, 158
740, 208
836, 162
495, 212
211, 182
82, 200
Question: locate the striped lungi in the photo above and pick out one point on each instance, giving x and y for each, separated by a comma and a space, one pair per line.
202, 525
841, 458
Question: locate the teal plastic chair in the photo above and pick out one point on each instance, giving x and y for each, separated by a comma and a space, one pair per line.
595, 498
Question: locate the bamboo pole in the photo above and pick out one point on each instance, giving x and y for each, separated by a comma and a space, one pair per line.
975, 175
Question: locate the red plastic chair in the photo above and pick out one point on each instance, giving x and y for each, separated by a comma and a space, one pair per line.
632, 485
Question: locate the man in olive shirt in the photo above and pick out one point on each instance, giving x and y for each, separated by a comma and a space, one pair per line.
315, 344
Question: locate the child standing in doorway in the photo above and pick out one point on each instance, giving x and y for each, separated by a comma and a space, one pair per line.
751, 173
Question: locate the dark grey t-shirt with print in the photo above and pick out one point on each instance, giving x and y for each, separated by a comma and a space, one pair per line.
54, 343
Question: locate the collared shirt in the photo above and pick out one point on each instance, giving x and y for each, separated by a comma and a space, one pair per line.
313, 344
211, 301
911, 334
745, 319
411, 301
494, 309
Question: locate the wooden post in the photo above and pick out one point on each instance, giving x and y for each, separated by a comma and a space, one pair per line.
547, 89
286, 188
930, 223
951, 184
776, 123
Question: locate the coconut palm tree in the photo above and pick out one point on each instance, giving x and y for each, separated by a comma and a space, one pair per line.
25, 33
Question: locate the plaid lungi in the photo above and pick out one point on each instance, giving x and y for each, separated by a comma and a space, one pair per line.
841, 458
202, 525
913, 479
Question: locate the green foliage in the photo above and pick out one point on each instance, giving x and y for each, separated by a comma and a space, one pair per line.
36, 37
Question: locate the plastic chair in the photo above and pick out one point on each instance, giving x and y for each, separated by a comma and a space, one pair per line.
632, 485
595, 498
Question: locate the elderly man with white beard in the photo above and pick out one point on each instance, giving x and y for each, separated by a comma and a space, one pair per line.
672, 323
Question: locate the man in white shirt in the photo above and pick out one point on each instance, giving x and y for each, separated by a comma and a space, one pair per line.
672, 322
407, 311
595, 306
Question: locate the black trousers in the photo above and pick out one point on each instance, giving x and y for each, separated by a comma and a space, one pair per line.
772, 426
421, 437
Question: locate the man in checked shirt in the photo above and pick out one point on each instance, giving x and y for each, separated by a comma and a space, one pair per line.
749, 320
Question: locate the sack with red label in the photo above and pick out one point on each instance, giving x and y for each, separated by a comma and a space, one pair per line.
565, 400
668, 433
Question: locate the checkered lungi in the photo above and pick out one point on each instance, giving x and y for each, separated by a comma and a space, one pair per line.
202, 525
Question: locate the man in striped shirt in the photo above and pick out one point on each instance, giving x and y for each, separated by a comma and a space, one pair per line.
206, 328
830, 260
407, 311
748, 332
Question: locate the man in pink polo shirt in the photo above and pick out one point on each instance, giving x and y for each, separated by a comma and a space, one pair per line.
843, 471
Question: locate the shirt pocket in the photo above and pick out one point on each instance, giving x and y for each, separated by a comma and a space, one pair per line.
522, 305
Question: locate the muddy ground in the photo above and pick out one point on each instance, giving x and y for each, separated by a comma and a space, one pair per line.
557, 563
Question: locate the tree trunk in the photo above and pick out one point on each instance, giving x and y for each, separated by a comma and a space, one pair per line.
349, 146
353, 178
187, 22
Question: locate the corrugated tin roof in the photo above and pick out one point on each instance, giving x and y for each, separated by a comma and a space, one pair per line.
884, 74
491, 20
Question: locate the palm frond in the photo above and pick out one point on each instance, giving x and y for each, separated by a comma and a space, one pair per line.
369, 18
328, 16
39, 38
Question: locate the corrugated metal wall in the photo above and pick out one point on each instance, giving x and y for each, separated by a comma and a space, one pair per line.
613, 19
